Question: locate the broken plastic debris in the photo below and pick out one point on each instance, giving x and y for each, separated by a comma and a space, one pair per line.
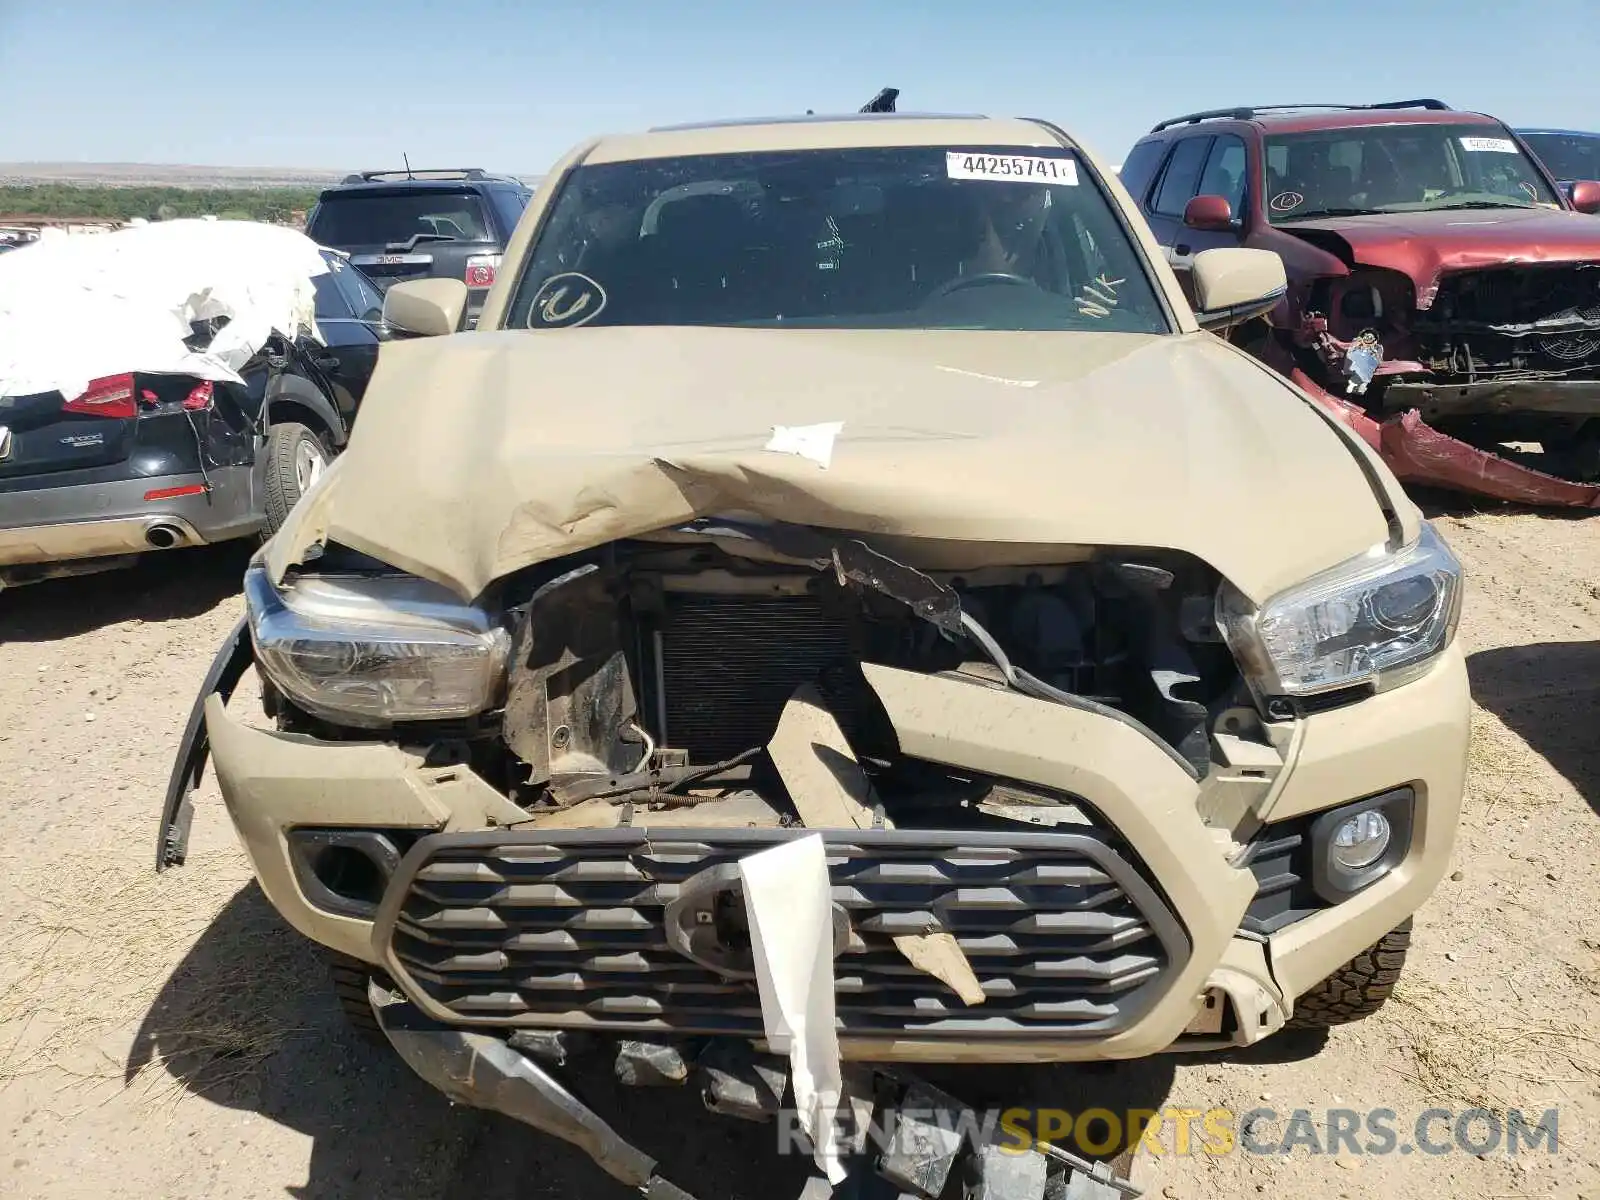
808, 441
941, 956
817, 766
790, 909
831, 791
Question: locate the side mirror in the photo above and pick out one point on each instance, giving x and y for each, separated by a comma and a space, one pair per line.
1585, 196
1233, 284
425, 307
1212, 213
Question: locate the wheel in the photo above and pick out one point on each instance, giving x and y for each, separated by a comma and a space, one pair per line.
295, 459
1357, 989
350, 977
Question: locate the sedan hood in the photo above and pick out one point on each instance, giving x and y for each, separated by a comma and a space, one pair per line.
483, 453
1428, 245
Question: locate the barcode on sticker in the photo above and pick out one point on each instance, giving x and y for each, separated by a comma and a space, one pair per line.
1011, 168
1489, 145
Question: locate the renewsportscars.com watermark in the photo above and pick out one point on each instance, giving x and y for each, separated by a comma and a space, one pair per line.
1192, 1131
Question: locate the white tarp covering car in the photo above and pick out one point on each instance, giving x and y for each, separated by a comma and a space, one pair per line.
77, 309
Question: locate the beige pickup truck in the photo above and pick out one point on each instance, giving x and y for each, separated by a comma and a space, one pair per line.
867, 480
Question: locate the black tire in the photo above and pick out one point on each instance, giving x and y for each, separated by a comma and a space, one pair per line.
1359, 988
283, 485
350, 976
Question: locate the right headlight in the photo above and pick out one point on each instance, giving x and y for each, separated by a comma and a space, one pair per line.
1376, 619
370, 650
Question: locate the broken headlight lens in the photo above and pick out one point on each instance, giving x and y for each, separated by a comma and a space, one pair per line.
370, 650
1375, 619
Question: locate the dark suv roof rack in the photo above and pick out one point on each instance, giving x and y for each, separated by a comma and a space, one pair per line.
475, 174
1247, 114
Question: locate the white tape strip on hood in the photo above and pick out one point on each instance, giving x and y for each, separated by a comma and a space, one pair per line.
787, 900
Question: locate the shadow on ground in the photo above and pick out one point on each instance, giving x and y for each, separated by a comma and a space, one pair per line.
159, 587
1549, 695
248, 1021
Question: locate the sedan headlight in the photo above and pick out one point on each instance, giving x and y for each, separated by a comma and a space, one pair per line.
370, 650
1376, 619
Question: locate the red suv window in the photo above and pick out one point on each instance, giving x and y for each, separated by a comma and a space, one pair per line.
1182, 176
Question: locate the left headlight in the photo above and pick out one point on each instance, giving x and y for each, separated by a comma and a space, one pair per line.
1376, 619
370, 650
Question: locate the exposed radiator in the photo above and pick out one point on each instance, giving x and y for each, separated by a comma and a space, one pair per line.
729, 664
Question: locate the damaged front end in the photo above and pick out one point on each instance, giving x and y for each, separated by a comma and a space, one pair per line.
1492, 387
1034, 791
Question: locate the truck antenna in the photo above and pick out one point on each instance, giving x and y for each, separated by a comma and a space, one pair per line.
405, 159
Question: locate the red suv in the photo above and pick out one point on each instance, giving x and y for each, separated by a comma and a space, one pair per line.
1444, 294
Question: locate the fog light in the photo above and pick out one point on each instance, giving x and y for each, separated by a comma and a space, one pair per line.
1355, 845
1360, 841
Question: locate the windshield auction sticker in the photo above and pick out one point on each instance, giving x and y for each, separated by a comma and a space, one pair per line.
1489, 145
1010, 168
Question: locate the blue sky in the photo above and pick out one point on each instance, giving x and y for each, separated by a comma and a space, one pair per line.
508, 86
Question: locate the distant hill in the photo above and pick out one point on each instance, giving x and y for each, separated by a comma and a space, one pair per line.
118, 175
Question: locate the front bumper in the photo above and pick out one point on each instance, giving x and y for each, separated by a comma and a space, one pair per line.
1414, 736
100, 520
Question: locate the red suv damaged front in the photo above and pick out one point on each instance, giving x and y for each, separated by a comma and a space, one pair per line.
1444, 296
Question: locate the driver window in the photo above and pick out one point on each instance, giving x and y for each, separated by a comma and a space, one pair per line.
1224, 173
1182, 176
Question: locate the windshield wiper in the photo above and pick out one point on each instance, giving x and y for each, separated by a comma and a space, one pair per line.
411, 242
1314, 213
1481, 204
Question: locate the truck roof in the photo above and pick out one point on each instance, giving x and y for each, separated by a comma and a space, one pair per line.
811, 132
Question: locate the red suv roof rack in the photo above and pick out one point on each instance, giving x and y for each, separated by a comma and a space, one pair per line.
1246, 114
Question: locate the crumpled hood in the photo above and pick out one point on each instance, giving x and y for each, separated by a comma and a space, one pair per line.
479, 454
1428, 245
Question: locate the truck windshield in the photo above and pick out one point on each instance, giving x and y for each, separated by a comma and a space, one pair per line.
1399, 168
886, 238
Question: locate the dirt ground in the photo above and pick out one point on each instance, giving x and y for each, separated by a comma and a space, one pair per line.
168, 1036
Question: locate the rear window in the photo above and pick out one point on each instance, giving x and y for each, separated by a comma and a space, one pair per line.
373, 219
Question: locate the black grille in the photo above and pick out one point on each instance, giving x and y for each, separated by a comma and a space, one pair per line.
1280, 859
567, 929
729, 664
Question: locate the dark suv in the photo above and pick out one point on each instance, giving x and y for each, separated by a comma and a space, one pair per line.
1441, 288
399, 225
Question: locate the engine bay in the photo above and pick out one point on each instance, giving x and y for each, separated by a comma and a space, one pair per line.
657, 672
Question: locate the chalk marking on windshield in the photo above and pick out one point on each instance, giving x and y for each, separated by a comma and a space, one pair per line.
554, 311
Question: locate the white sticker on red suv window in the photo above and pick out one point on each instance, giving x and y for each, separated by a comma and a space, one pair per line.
1488, 145
1010, 168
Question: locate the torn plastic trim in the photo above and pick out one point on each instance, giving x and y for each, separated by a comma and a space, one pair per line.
1418, 453
483, 1071
232, 659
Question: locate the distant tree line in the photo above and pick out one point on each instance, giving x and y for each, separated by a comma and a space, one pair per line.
154, 203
